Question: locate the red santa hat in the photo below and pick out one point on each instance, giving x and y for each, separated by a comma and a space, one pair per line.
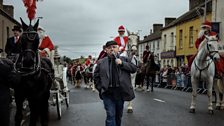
121, 29
206, 24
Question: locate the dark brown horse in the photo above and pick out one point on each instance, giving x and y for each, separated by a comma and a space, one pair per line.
36, 78
149, 70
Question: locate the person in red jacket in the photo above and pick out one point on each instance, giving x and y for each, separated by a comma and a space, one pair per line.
206, 30
146, 54
121, 39
45, 45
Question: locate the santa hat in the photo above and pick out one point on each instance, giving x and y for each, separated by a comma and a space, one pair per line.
206, 24
121, 28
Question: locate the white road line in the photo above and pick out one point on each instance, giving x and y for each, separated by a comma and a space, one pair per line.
158, 100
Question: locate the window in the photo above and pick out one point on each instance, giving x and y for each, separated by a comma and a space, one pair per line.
7, 29
157, 45
172, 40
164, 40
181, 39
153, 46
191, 37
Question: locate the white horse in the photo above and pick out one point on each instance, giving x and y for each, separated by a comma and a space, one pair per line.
219, 88
133, 39
203, 69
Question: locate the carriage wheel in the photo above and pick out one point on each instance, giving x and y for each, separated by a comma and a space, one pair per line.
58, 104
67, 98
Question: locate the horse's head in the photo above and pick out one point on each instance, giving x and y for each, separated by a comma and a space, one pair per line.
212, 47
132, 41
29, 41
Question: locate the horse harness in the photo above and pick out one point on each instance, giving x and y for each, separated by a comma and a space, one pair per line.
211, 60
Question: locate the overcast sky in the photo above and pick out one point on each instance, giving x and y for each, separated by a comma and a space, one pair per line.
81, 27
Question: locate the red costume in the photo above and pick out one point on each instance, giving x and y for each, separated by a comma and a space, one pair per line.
146, 54
121, 40
46, 45
200, 39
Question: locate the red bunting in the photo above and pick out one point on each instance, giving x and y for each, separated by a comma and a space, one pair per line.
31, 8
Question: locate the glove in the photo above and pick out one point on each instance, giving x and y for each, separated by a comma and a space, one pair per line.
43, 53
121, 49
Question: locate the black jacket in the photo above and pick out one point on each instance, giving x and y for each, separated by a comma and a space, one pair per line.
101, 77
12, 47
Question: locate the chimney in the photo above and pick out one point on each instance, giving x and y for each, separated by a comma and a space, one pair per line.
194, 3
9, 9
168, 20
157, 27
150, 31
1, 4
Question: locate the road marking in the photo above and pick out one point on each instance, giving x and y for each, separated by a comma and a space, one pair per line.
158, 100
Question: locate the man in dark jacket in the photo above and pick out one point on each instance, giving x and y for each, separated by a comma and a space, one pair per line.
112, 78
12, 47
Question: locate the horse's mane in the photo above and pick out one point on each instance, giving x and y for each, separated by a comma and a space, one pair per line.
202, 44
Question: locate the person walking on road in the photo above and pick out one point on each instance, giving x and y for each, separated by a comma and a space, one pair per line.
112, 78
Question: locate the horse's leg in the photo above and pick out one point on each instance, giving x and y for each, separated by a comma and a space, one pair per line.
19, 98
33, 104
210, 85
147, 82
194, 95
130, 109
216, 81
152, 84
44, 109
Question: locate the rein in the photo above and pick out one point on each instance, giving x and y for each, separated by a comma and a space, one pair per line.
35, 69
210, 55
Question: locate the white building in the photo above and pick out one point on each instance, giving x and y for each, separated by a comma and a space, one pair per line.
153, 41
168, 44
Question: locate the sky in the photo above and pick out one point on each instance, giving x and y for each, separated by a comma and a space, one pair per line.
81, 27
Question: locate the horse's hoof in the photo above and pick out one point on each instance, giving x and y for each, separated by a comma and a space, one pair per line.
192, 111
222, 108
218, 108
211, 112
130, 111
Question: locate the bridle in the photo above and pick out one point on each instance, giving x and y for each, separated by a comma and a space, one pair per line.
19, 65
211, 54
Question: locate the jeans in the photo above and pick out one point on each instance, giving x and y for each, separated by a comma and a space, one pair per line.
114, 110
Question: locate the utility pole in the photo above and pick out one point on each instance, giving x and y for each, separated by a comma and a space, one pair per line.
205, 12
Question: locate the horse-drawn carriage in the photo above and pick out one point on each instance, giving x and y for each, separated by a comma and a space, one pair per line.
59, 91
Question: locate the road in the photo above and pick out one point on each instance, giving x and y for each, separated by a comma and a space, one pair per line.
163, 107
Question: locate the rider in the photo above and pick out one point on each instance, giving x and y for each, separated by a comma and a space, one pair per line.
206, 30
46, 45
121, 40
146, 54
12, 47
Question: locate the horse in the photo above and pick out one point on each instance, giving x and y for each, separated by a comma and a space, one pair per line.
131, 50
149, 70
203, 69
36, 77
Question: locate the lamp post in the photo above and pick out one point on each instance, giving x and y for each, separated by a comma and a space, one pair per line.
205, 8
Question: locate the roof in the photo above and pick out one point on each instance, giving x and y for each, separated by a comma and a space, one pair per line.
151, 37
3, 13
189, 15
